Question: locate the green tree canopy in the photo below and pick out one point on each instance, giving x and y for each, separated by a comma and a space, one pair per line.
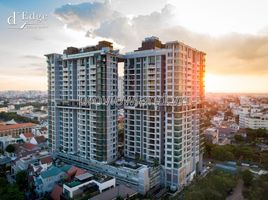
21, 179
247, 177
10, 148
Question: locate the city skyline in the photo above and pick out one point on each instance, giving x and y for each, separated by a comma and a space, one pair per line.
236, 45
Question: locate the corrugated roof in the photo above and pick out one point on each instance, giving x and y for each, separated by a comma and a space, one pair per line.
52, 171
66, 168
56, 192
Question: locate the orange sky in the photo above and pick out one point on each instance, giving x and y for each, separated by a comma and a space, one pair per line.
236, 42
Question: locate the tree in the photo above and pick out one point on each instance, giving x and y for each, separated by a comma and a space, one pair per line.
238, 138
9, 192
258, 189
215, 185
222, 153
21, 180
10, 148
119, 198
208, 149
247, 177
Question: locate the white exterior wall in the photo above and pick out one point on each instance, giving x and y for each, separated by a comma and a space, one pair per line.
256, 123
102, 186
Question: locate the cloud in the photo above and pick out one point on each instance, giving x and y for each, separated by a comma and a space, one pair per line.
86, 16
228, 54
32, 57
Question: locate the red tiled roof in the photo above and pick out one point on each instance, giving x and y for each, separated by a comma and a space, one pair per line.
40, 139
16, 126
56, 192
28, 135
29, 146
46, 160
75, 171
80, 172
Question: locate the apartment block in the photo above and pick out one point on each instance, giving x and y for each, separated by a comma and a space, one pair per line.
256, 121
86, 130
165, 134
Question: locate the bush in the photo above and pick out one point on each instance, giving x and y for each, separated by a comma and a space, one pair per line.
216, 185
247, 177
10, 148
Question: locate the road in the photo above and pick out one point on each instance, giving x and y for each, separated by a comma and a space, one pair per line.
237, 193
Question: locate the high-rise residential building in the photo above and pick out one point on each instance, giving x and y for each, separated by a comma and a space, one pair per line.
166, 134
75, 78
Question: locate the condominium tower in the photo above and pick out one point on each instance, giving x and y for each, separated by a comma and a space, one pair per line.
165, 134
76, 127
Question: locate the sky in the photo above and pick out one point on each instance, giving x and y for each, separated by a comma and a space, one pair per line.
234, 35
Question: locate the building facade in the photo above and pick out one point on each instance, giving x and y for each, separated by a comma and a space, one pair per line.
14, 130
256, 121
78, 125
120, 87
166, 134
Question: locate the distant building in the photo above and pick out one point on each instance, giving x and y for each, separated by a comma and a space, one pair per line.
211, 135
218, 119
25, 110
11, 122
3, 109
16, 129
256, 121
253, 116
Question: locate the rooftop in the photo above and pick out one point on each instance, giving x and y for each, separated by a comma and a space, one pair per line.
99, 46
28, 135
16, 126
52, 171
113, 193
56, 192
84, 176
46, 160
40, 139
66, 168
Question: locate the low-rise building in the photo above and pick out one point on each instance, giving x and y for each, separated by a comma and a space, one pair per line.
256, 121
3, 109
15, 130
211, 135
140, 176
6, 140
119, 191
41, 141
26, 137
47, 180
86, 181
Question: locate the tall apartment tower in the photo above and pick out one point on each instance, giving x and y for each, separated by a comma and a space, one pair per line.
76, 125
165, 134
